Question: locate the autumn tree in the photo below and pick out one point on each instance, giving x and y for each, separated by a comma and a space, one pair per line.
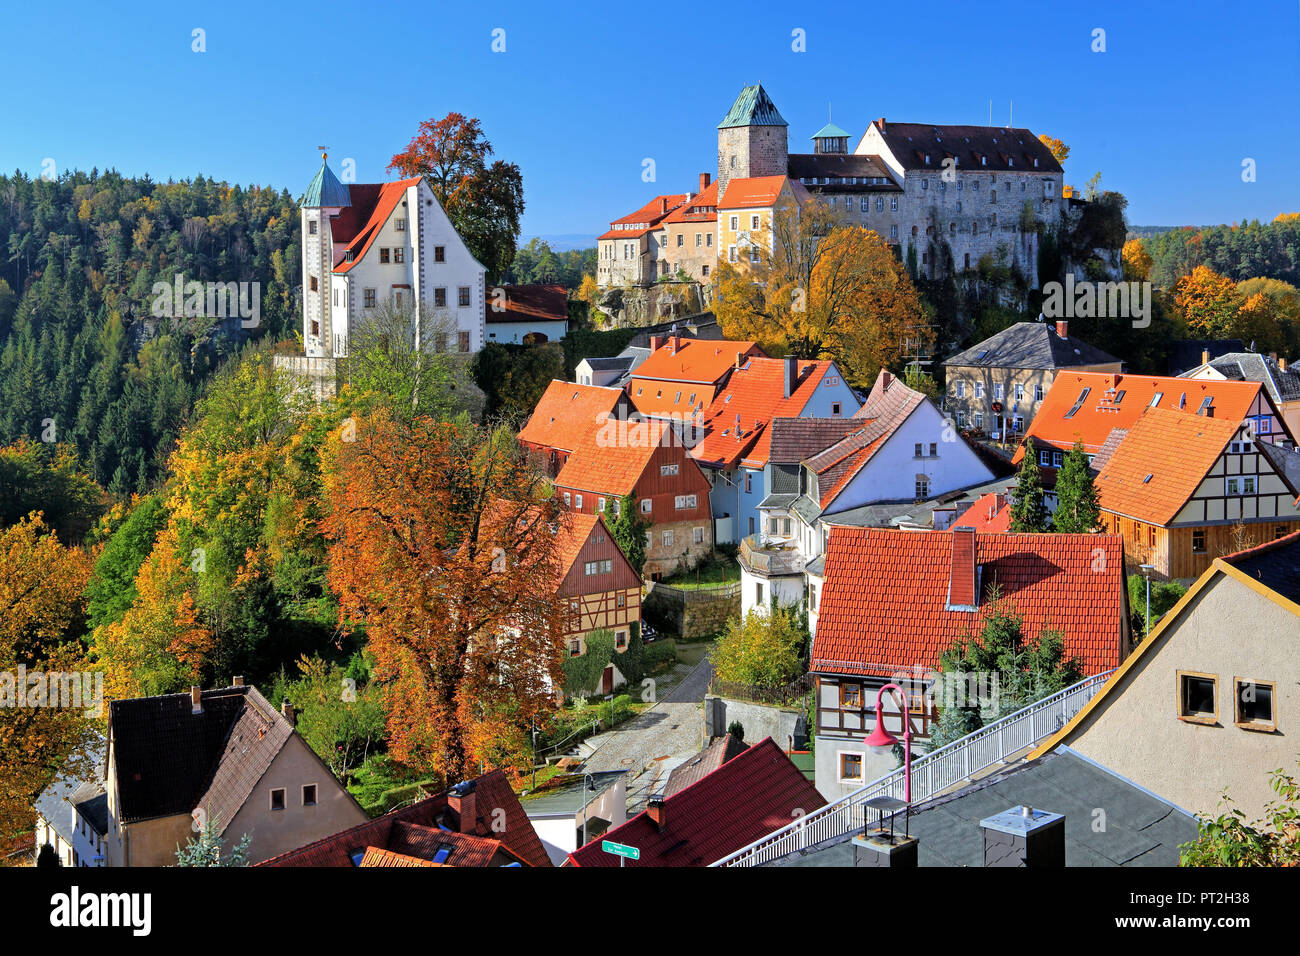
443, 548
484, 201
826, 290
762, 649
41, 624
1136, 261
1208, 301
1078, 506
1060, 152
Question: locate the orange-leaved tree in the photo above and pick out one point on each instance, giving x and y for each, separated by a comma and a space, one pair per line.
1208, 302
443, 549
41, 622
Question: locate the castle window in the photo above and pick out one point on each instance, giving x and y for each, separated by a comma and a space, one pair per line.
439, 253
699, 239
893, 204
368, 298
462, 296
311, 227
383, 256
708, 239
314, 284
399, 225
399, 256
893, 232
925, 184
440, 297
880, 204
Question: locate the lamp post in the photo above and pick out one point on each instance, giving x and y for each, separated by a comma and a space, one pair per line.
880, 737
1146, 570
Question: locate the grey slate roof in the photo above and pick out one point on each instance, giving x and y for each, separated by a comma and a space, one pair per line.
803, 166
1283, 386
1030, 345
169, 760
975, 148
1276, 565
1108, 448
610, 362
69, 794
1141, 828
1285, 460
777, 501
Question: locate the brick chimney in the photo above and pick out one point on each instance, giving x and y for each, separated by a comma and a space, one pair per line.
677, 343
705, 179
1063, 328
463, 801
740, 359
1281, 363
886, 379
1024, 837
791, 376
237, 680
961, 583
881, 123
663, 205
656, 342
657, 812
196, 700
1205, 356
287, 710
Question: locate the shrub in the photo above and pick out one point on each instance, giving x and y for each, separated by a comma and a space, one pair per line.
761, 649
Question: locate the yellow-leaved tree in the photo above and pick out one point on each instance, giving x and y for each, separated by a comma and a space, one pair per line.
825, 290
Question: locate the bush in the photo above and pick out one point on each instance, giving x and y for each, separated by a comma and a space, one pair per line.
658, 654
761, 649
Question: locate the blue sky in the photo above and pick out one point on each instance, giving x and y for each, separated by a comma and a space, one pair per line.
584, 92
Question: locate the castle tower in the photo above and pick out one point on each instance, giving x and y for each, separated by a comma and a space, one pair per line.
324, 199
752, 139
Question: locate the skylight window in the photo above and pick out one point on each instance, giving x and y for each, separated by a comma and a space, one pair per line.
444, 851
1078, 404
1205, 406
1155, 399
357, 855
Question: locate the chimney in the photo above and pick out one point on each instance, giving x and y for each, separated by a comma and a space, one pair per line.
740, 359
791, 376
663, 205
237, 680
196, 700
677, 343
1205, 356
656, 342
886, 379
657, 813
1063, 328
1024, 837
1281, 364
286, 709
705, 179
961, 582
881, 123
464, 803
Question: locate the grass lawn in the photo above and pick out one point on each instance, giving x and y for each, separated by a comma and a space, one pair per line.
707, 574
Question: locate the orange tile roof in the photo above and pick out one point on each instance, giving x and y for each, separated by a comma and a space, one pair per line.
754, 395
988, 513
884, 606
567, 413
694, 361
1160, 463
377, 857
1100, 413
610, 461
647, 217
702, 208
390, 194
752, 193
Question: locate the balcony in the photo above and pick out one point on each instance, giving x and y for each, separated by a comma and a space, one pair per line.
771, 560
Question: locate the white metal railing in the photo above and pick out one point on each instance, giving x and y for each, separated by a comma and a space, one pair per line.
932, 773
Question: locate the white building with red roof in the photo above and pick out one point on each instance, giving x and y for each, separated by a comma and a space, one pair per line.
365, 245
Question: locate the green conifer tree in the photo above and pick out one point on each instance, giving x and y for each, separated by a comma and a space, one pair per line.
1078, 507
1028, 512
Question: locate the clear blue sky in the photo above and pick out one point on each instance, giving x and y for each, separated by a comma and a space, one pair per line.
584, 91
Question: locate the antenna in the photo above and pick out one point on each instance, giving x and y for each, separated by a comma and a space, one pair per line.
1011, 119
990, 112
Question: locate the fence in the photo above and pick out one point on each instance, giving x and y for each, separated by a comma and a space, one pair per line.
931, 774
795, 690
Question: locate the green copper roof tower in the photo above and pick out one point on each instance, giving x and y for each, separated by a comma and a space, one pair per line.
325, 189
753, 107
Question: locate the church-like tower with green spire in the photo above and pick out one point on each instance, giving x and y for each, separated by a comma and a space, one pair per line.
752, 138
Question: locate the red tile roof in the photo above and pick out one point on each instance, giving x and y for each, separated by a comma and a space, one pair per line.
1100, 412
524, 303
567, 414
697, 361
377, 857
748, 797
353, 233
989, 513
753, 396
702, 208
411, 828
644, 219
1160, 463
885, 603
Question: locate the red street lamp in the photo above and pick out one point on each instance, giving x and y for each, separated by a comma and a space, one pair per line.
880, 737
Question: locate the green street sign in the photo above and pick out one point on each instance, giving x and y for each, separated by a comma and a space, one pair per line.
618, 849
